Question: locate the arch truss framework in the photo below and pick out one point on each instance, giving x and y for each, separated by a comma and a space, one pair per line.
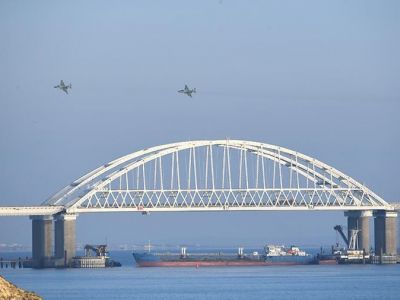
215, 175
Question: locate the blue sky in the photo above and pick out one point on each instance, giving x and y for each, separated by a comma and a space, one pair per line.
320, 77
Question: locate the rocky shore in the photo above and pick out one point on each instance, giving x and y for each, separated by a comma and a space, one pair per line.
8, 291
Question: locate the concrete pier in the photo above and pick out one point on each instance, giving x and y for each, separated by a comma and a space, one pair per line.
385, 225
42, 242
359, 220
65, 247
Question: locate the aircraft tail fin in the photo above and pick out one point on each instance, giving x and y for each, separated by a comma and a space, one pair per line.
194, 90
70, 86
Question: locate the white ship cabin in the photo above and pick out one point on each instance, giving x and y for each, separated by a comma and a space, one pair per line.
274, 250
293, 250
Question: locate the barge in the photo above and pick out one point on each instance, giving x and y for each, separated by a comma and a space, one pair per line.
96, 256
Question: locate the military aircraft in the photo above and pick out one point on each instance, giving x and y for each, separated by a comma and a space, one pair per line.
63, 87
187, 91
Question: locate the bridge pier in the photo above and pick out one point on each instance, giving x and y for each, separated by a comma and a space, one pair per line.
359, 220
385, 232
42, 242
64, 239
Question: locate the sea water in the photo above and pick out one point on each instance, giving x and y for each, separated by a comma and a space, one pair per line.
272, 282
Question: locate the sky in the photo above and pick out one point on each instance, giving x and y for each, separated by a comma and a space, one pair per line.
318, 77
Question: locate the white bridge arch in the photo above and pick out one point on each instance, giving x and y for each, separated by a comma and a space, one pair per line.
215, 175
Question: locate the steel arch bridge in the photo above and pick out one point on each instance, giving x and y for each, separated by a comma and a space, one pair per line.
214, 175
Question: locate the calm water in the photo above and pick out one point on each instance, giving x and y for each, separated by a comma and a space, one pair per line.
129, 282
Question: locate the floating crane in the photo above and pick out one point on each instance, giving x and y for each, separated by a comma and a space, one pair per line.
96, 256
352, 254
351, 241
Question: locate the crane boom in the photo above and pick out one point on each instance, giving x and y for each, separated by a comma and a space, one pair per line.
98, 250
339, 229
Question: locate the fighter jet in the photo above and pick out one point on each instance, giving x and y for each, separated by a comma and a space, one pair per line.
63, 87
187, 91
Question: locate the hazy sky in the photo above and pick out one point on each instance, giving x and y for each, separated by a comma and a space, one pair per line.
319, 77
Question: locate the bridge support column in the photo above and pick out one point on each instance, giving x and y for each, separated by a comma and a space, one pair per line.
42, 242
359, 220
64, 239
385, 225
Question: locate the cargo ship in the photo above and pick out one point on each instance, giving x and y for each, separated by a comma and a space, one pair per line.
272, 255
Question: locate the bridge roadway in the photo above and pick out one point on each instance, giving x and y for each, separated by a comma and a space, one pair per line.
48, 210
18, 211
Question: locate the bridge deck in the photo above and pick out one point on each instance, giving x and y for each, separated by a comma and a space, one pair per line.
52, 210
30, 210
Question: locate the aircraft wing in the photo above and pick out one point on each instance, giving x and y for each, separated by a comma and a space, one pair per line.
65, 90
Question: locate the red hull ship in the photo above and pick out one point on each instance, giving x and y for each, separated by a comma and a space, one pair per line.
274, 255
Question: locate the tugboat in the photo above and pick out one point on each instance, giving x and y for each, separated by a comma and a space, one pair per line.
273, 255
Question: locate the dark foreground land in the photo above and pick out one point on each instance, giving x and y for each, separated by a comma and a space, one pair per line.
10, 291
